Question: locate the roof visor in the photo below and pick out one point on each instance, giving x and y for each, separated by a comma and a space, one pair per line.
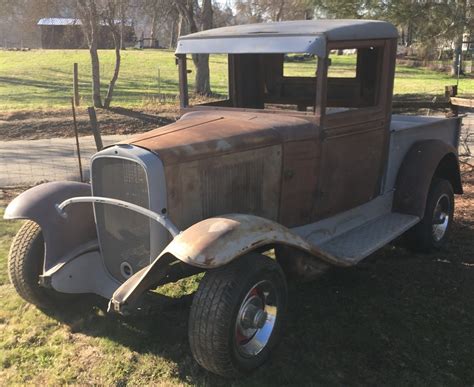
262, 44
300, 36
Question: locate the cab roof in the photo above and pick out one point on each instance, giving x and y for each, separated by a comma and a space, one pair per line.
301, 36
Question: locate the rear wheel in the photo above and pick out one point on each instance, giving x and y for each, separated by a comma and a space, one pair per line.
237, 314
433, 230
25, 265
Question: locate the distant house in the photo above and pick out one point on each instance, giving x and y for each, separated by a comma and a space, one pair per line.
66, 33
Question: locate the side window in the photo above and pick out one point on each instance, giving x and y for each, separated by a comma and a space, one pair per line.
218, 82
354, 78
291, 84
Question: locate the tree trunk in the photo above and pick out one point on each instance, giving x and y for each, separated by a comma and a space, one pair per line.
173, 34
201, 61
409, 36
110, 91
90, 24
95, 66
280, 11
154, 20
456, 65
181, 26
461, 24
95, 76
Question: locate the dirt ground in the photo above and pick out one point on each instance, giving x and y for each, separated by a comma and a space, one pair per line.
40, 124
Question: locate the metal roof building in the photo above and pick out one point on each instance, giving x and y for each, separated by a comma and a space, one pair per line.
66, 33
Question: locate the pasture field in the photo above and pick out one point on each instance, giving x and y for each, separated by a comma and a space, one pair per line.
397, 319
42, 79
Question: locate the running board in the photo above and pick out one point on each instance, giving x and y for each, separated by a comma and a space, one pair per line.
356, 244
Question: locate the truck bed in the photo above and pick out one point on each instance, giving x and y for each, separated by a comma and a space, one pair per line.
402, 122
406, 130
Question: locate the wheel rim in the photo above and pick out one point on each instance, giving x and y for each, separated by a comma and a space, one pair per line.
441, 218
256, 319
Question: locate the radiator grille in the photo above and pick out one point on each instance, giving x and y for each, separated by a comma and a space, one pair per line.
124, 235
233, 188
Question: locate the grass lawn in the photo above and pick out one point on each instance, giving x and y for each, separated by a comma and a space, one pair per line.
43, 78
396, 319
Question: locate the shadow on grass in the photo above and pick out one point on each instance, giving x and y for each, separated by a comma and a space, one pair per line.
397, 319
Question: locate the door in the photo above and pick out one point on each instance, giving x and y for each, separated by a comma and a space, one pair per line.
356, 120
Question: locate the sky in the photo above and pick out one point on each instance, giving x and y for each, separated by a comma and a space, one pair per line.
230, 3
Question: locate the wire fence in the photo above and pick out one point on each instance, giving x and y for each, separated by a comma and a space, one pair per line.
30, 162
466, 144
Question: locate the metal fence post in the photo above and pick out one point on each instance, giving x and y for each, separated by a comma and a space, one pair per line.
75, 84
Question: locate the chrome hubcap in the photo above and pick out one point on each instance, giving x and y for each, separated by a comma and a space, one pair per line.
256, 319
441, 218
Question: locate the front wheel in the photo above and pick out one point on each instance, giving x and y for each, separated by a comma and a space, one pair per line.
432, 232
237, 314
25, 265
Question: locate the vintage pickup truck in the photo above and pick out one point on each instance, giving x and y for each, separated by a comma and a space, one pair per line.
285, 177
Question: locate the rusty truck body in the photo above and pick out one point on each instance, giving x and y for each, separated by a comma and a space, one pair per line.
314, 168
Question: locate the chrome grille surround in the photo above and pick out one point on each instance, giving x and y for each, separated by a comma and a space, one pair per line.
128, 239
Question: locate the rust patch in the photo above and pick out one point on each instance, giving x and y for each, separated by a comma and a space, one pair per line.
198, 135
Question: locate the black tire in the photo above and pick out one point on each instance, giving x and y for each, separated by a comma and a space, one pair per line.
423, 237
25, 265
213, 327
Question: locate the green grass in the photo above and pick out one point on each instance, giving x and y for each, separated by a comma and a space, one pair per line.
43, 78
7, 231
398, 319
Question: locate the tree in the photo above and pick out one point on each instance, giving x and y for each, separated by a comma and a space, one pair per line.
257, 11
433, 24
160, 14
89, 16
114, 17
188, 10
95, 14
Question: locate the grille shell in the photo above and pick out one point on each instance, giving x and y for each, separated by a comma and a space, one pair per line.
124, 236
134, 175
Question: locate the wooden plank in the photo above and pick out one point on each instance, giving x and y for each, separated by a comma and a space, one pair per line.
321, 91
183, 81
464, 102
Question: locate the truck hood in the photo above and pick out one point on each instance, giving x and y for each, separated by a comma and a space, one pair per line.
200, 134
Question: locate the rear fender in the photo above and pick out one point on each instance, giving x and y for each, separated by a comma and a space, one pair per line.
62, 234
423, 161
209, 244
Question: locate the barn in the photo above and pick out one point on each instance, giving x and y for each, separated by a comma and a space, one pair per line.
66, 33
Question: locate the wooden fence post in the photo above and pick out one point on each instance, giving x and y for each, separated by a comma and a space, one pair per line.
449, 92
76, 134
95, 128
75, 85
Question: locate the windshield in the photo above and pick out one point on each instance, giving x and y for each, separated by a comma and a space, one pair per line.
257, 81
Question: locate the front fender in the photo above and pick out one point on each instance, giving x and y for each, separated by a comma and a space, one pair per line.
209, 244
61, 235
217, 241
